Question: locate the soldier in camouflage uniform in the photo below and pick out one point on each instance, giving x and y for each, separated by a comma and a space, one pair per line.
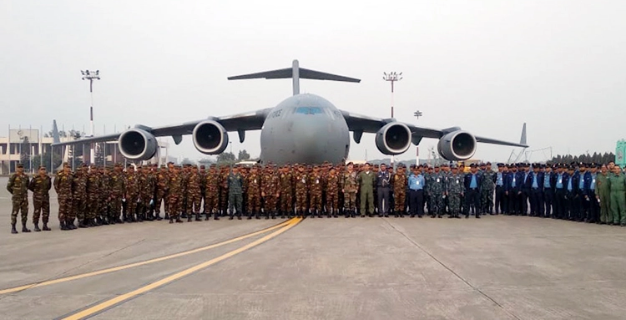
175, 195
437, 193
93, 196
132, 193
428, 179
105, 196
224, 193
80, 198
399, 182
454, 191
146, 192
315, 183
211, 196
286, 191
252, 189
63, 183
301, 186
349, 186
270, 191
40, 186
194, 194
487, 190
18, 187
161, 179
118, 190
235, 193
332, 193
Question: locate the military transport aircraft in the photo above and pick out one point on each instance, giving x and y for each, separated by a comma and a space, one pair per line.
304, 128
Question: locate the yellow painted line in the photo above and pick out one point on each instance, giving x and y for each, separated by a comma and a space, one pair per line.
141, 263
123, 297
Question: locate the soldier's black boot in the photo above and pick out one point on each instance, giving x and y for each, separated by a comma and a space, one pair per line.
81, 224
216, 216
267, 215
158, 217
198, 217
258, 215
45, 226
249, 215
171, 220
347, 214
13, 230
63, 226
231, 217
167, 216
24, 229
189, 217
178, 220
37, 228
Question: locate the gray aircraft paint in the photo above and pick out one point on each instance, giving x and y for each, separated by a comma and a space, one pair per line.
289, 136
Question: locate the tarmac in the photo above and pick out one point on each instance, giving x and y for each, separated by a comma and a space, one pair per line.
498, 267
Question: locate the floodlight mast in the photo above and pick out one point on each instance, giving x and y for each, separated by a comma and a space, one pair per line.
91, 76
392, 77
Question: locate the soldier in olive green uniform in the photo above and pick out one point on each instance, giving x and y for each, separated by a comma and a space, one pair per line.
105, 196
18, 187
235, 193
194, 194
301, 186
270, 192
40, 186
79, 196
604, 195
132, 193
367, 179
617, 183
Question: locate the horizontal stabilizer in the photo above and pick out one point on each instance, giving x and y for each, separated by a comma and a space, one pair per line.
296, 73
288, 73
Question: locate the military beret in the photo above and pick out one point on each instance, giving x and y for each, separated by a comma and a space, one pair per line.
500, 165
482, 164
542, 166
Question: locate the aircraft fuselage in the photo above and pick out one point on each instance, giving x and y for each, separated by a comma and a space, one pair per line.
304, 128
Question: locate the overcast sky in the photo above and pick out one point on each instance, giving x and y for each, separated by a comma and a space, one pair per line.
486, 66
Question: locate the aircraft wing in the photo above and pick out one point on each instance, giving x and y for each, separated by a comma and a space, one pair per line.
361, 123
239, 122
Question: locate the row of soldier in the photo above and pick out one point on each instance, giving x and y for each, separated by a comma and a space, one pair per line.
98, 196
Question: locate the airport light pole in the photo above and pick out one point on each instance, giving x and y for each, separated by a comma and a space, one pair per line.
417, 114
91, 76
392, 77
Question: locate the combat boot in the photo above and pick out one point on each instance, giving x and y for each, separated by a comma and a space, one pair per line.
178, 220
198, 217
258, 215
158, 217
24, 229
82, 224
282, 214
37, 228
250, 216
189, 218
171, 220
71, 225
167, 216
183, 215
13, 230
216, 216
64, 226
45, 227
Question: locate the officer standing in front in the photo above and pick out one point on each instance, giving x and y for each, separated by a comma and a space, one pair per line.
18, 187
472, 184
416, 193
40, 186
383, 184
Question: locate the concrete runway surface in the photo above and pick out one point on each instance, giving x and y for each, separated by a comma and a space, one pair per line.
364, 268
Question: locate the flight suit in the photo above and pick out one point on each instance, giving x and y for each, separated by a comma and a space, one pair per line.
366, 181
618, 202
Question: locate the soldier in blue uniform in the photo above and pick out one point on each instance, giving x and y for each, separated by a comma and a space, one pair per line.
472, 183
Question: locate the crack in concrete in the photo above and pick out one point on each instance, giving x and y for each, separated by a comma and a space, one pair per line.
452, 271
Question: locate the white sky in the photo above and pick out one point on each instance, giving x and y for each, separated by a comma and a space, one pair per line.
486, 66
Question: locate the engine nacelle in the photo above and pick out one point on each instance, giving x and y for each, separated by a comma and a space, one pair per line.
137, 144
457, 146
394, 138
210, 137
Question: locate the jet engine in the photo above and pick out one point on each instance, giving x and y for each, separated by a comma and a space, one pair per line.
394, 138
137, 144
210, 137
457, 146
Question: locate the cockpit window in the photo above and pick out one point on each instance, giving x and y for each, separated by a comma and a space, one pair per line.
309, 110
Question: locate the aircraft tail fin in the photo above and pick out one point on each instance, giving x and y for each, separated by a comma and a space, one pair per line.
55, 132
523, 138
296, 73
